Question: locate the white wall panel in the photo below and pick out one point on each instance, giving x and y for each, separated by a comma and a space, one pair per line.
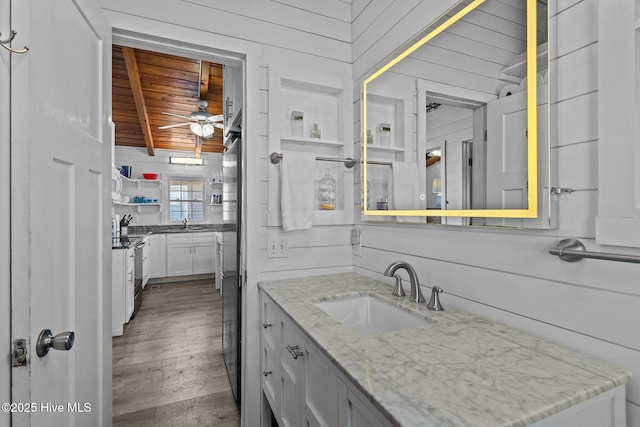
578, 165
577, 118
256, 21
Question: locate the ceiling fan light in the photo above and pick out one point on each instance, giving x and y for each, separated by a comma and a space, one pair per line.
196, 128
203, 131
207, 130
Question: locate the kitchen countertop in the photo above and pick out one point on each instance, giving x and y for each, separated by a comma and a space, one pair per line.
460, 370
192, 228
126, 242
137, 232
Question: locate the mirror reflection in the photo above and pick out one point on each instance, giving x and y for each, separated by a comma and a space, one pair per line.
447, 126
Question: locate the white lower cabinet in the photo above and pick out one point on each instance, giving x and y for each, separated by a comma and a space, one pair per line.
122, 287
157, 256
146, 250
190, 253
301, 386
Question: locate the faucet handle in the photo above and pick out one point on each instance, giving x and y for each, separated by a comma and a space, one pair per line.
398, 291
434, 302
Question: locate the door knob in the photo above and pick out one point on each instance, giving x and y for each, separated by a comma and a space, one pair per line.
46, 340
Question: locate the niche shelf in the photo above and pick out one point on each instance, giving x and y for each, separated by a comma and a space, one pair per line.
321, 98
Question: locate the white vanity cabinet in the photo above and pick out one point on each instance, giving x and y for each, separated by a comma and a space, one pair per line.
122, 271
157, 256
190, 253
300, 384
303, 387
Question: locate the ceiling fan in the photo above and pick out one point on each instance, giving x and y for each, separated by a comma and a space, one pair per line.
201, 122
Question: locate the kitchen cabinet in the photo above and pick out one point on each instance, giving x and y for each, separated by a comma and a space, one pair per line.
157, 256
122, 287
190, 253
218, 264
145, 261
204, 245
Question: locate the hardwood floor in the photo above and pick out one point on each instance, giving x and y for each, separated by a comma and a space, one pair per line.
168, 368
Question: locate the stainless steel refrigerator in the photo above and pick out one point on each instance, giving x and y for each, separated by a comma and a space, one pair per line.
231, 273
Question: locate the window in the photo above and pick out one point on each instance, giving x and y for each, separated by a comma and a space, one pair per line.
186, 199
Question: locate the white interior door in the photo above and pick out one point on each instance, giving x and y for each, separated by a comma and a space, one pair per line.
61, 204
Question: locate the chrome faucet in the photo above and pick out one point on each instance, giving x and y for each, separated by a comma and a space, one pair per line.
184, 222
416, 293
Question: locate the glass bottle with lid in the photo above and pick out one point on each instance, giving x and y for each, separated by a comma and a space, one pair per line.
327, 191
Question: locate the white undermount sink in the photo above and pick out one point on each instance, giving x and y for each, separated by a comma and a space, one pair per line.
367, 315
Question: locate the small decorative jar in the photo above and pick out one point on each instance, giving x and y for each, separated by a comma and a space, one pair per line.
384, 134
297, 124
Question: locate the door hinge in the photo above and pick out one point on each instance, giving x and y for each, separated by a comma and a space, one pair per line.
19, 353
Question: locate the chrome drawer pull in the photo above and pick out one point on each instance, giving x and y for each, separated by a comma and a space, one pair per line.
295, 352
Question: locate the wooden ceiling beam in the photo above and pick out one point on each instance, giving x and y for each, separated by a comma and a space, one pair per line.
138, 96
204, 79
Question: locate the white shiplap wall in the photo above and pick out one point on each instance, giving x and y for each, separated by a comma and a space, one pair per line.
507, 275
301, 35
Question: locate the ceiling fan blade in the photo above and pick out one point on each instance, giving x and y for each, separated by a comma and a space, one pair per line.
216, 118
174, 126
218, 125
176, 115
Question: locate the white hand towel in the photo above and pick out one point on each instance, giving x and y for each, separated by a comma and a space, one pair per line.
404, 187
296, 190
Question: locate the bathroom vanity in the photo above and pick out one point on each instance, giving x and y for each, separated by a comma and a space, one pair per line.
452, 368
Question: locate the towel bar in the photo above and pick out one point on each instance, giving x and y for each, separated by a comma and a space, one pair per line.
348, 162
572, 250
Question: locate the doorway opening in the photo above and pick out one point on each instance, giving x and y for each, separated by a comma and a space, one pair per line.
212, 76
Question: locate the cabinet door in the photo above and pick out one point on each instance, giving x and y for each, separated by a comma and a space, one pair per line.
129, 283
359, 414
179, 259
321, 389
157, 256
291, 378
204, 258
145, 261
270, 353
118, 274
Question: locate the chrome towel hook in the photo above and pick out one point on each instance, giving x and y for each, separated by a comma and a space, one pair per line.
5, 43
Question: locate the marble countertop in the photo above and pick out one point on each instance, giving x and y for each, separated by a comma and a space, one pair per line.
457, 370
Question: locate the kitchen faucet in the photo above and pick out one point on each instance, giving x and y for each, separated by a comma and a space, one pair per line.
416, 293
184, 222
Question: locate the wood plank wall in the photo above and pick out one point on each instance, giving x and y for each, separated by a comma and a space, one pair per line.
508, 275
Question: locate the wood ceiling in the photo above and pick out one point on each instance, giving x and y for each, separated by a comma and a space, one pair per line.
145, 84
